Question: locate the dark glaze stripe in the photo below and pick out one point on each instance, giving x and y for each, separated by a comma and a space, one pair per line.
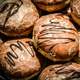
9, 59
47, 33
10, 11
41, 36
30, 52
57, 26
71, 73
52, 29
58, 68
62, 69
17, 46
75, 74
39, 43
55, 31
8, 15
32, 49
57, 38
57, 44
11, 56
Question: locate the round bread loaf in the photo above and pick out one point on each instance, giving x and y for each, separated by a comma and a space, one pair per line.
68, 71
17, 17
18, 59
55, 37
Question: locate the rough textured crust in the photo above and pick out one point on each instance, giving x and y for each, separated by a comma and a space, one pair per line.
18, 18
51, 5
55, 37
18, 58
68, 71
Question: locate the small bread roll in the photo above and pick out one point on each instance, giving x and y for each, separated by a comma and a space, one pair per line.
51, 5
55, 37
17, 17
75, 11
68, 71
18, 59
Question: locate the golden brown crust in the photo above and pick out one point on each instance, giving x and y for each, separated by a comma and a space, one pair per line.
18, 58
55, 37
19, 19
68, 71
51, 5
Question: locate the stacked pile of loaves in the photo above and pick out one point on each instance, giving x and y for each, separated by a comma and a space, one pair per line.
40, 38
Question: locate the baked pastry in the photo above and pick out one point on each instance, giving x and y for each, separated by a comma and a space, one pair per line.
51, 5
18, 59
75, 11
68, 71
55, 37
17, 17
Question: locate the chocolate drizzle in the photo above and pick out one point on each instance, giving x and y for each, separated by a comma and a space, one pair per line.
51, 32
64, 69
72, 73
9, 7
13, 55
